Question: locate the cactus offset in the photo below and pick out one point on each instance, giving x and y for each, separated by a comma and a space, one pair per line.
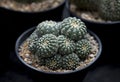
47, 45
54, 62
73, 28
66, 46
47, 27
32, 42
83, 48
70, 61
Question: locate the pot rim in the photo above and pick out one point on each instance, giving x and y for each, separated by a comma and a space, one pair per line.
34, 12
17, 44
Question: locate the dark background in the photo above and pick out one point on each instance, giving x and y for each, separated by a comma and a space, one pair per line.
11, 69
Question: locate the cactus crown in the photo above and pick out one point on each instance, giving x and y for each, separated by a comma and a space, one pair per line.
83, 48
73, 28
59, 52
47, 27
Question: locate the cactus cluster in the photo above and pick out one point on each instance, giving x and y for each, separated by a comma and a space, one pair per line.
28, 1
63, 48
109, 9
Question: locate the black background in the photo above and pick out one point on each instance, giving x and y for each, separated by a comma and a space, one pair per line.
11, 69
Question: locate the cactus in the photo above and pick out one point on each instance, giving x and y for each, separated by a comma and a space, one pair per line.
54, 62
73, 28
83, 48
70, 61
58, 27
109, 9
62, 51
47, 27
28, 1
32, 42
66, 46
85, 4
46, 46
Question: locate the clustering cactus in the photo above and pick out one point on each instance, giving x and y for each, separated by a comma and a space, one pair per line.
64, 51
109, 9
85, 4
28, 1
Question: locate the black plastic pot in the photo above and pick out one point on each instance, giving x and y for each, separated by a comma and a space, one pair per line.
25, 35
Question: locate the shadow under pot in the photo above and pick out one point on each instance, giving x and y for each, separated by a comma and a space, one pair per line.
96, 14
31, 12
58, 63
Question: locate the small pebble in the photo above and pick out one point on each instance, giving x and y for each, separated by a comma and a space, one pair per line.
29, 62
25, 59
91, 55
27, 55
